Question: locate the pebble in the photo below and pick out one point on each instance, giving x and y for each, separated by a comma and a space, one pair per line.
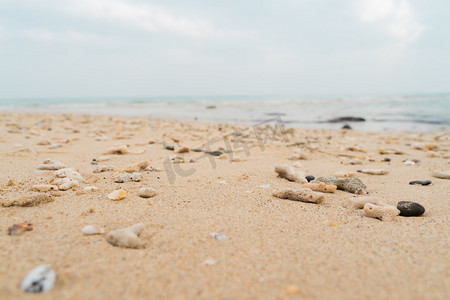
44, 142
346, 126
209, 262
121, 149
103, 168
426, 182
92, 229
214, 153
40, 279
44, 187
18, 228
265, 186
65, 184
441, 174
30, 200
55, 145
102, 158
125, 177
321, 187
51, 165
147, 192
177, 159
358, 203
168, 147
218, 236
310, 178
409, 163
117, 195
373, 171
127, 237
410, 209
69, 173
350, 184
384, 213
303, 195
290, 174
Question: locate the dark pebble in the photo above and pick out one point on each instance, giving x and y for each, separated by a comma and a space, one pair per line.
309, 178
346, 126
346, 119
426, 182
410, 209
387, 159
169, 147
214, 153
94, 163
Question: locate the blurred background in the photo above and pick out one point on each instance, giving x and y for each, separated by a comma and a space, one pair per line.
307, 61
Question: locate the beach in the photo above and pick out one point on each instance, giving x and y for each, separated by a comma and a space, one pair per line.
268, 248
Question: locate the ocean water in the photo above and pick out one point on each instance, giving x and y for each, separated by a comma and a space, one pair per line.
382, 113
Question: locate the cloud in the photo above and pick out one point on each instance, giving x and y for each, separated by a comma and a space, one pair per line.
45, 35
395, 17
143, 16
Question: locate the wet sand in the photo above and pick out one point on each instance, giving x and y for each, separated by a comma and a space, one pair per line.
275, 248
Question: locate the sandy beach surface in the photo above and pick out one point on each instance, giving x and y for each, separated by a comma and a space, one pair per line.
274, 248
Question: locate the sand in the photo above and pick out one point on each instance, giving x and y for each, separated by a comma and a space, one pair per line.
275, 248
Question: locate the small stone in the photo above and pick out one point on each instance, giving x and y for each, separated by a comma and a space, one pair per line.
147, 192
168, 147
310, 178
410, 209
137, 167
387, 159
44, 142
65, 184
40, 279
214, 153
181, 149
18, 228
117, 195
409, 162
92, 229
426, 182
209, 262
218, 236
127, 237
265, 186
69, 173
346, 126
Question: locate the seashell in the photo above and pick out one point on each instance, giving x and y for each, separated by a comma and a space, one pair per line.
290, 174
147, 192
92, 229
117, 195
303, 195
18, 228
40, 279
127, 237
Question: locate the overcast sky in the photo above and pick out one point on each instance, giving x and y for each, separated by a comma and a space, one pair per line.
104, 48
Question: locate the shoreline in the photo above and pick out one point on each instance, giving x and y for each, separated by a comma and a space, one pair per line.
274, 248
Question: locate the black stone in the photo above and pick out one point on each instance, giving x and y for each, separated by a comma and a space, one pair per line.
346, 119
387, 159
214, 153
426, 182
410, 209
346, 126
309, 178
169, 147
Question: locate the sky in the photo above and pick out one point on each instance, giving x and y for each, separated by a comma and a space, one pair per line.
137, 48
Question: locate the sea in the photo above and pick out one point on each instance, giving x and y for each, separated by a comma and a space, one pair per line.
416, 113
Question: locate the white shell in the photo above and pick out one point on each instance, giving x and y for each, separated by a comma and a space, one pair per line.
92, 229
40, 279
